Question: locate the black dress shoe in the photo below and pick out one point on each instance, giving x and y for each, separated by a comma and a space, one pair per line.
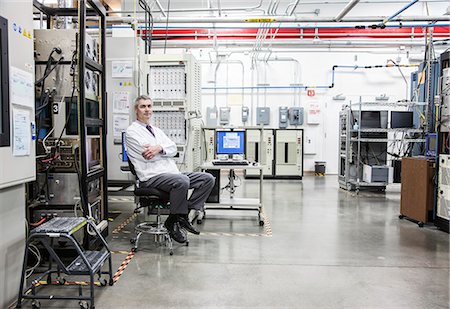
175, 232
184, 222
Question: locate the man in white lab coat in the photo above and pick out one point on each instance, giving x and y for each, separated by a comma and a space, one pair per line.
151, 152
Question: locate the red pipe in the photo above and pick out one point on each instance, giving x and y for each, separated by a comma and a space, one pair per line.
298, 33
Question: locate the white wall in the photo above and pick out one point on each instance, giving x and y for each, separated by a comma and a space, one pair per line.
315, 70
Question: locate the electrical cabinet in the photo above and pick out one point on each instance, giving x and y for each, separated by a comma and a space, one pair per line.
262, 115
288, 153
296, 115
253, 143
173, 83
443, 197
283, 117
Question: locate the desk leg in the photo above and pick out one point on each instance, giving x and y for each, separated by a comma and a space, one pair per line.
232, 188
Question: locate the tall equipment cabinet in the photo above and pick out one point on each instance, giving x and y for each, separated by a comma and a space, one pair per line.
443, 189
443, 197
74, 126
173, 84
253, 142
288, 153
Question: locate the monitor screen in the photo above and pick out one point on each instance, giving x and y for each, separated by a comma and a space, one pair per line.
402, 119
370, 120
124, 148
230, 142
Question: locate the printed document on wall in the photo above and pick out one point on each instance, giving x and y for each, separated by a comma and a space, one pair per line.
120, 124
22, 87
21, 132
122, 69
121, 102
313, 113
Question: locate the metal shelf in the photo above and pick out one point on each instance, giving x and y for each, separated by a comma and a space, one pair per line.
386, 140
399, 130
391, 104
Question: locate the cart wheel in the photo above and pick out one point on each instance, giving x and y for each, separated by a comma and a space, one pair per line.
133, 240
199, 221
420, 224
134, 249
261, 222
83, 304
401, 216
61, 281
171, 252
111, 282
187, 243
35, 304
103, 282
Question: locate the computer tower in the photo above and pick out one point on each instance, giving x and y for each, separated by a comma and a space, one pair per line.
214, 196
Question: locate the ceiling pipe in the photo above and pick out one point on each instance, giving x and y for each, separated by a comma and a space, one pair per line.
400, 11
294, 6
350, 5
185, 10
281, 19
161, 8
291, 43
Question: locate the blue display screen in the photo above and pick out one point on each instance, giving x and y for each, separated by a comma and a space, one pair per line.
230, 142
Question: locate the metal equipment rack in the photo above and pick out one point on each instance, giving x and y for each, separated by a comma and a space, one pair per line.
87, 263
350, 142
88, 175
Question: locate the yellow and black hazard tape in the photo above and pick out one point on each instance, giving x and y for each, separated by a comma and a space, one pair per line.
319, 174
267, 227
120, 199
127, 221
123, 266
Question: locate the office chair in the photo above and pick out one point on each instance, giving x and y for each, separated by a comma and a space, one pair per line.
154, 200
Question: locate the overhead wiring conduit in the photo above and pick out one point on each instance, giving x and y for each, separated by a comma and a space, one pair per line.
333, 71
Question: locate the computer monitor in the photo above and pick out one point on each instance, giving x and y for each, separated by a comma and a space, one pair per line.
370, 120
230, 142
124, 147
402, 119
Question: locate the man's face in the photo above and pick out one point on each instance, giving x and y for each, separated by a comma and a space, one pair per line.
144, 111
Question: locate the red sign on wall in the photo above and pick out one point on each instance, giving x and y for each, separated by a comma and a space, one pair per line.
311, 93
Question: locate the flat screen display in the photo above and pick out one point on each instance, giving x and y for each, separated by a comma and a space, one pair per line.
370, 120
402, 119
230, 142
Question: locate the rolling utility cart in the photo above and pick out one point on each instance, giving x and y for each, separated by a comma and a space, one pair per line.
87, 263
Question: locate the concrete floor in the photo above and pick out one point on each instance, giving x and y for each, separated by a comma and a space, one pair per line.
325, 248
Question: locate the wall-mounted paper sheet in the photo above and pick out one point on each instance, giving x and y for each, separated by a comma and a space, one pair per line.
120, 124
22, 87
21, 132
121, 102
122, 69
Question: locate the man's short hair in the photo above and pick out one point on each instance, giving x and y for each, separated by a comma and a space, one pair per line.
141, 98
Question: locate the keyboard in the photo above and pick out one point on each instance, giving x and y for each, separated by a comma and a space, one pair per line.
229, 162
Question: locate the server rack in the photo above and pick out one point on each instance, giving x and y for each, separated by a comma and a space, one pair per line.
90, 178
